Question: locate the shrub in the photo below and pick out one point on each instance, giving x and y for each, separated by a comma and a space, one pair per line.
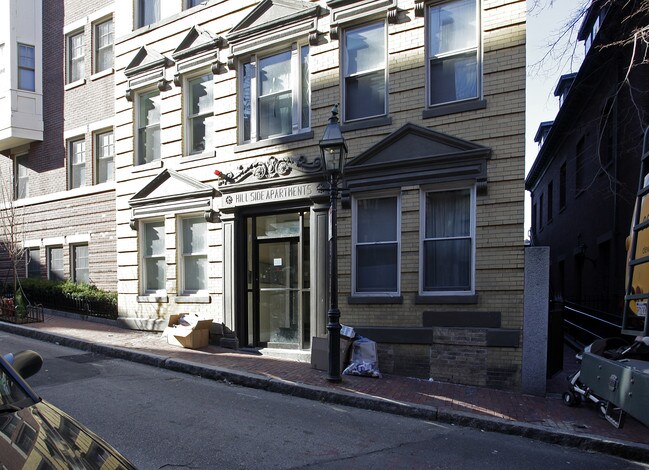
67, 295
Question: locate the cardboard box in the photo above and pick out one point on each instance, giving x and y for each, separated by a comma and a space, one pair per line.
191, 337
320, 353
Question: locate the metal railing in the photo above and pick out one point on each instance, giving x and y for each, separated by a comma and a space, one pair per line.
585, 325
29, 314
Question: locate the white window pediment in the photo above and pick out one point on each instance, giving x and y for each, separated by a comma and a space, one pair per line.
199, 48
345, 12
147, 67
273, 22
171, 192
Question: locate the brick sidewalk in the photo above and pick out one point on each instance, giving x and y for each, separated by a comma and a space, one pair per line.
548, 413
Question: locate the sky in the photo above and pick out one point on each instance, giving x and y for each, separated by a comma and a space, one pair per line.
544, 25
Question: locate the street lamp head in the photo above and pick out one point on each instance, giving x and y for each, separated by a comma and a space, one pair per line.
332, 146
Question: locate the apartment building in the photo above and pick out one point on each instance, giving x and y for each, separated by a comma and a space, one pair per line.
222, 209
219, 205
56, 136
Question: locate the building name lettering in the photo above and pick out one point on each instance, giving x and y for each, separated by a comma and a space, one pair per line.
273, 194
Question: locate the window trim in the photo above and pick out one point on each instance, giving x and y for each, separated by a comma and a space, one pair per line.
31, 69
138, 159
453, 106
96, 47
355, 243
343, 73
295, 47
69, 58
182, 290
187, 118
142, 258
471, 186
71, 164
73, 261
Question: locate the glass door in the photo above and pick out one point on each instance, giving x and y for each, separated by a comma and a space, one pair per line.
278, 281
278, 293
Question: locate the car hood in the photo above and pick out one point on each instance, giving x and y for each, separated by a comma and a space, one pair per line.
42, 434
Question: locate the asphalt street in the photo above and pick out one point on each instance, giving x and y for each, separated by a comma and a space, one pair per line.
162, 419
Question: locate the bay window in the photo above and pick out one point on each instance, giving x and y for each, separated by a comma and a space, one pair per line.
275, 94
453, 65
26, 68
448, 241
376, 245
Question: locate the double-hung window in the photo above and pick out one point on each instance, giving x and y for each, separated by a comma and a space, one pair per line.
148, 12
194, 255
200, 112
148, 127
275, 94
103, 33
453, 64
448, 241
77, 161
154, 272
21, 178
76, 57
33, 258
105, 154
376, 245
80, 264
26, 68
364, 69
55, 263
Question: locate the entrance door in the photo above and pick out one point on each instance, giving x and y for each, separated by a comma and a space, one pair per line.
278, 282
278, 293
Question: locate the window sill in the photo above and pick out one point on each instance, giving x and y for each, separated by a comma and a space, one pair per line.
192, 299
197, 156
72, 85
103, 73
148, 166
374, 299
453, 108
274, 141
446, 299
366, 124
153, 299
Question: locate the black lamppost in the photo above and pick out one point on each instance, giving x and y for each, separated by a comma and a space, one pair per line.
332, 152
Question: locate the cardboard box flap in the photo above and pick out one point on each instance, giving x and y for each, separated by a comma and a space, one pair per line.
203, 324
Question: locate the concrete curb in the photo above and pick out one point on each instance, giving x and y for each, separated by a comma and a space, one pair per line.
625, 449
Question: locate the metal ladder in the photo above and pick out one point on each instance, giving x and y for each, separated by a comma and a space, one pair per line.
634, 319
